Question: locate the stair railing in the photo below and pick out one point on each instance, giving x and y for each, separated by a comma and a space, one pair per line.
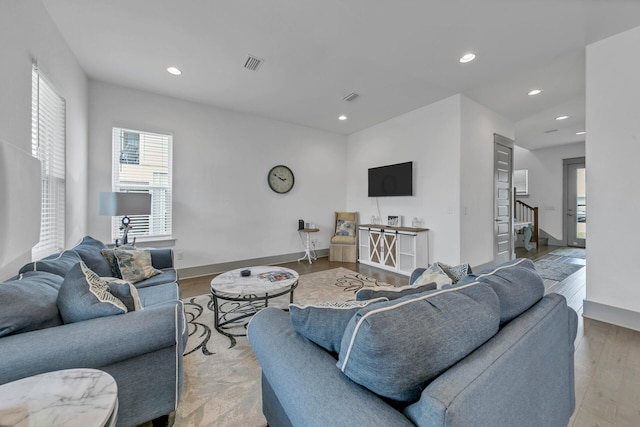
527, 213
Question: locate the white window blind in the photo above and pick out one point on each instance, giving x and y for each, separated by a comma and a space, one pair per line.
48, 144
142, 163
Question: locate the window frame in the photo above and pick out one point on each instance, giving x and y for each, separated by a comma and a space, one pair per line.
161, 193
48, 144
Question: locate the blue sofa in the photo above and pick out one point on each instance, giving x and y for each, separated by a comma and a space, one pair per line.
492, 350
142, 349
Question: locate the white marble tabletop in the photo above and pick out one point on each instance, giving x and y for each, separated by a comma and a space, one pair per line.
263, 280
71, 397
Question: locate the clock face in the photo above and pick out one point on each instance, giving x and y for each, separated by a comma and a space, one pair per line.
280, 179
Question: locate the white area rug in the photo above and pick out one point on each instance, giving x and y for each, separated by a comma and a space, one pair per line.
221, 375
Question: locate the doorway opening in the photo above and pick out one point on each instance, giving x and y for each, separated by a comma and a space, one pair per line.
575, 202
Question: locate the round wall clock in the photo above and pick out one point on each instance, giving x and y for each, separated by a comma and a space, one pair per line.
280, 179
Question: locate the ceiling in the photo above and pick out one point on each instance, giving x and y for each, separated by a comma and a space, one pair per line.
398, 55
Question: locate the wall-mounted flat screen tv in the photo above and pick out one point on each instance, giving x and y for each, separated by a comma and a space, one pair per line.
391, 180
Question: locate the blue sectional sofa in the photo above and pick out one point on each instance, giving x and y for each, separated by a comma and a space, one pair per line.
491, 350
49, 323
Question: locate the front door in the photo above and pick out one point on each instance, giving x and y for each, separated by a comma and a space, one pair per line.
575, 202
503, 199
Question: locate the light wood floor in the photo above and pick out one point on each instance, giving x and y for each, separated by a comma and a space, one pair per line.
607, 358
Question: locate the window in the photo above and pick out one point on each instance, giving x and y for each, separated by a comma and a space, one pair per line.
142, 163
48, 145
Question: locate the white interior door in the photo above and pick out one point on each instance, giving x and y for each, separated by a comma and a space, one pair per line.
503, 198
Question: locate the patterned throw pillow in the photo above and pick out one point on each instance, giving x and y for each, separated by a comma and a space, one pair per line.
83, 295
455, 272
324, 323
434, 274
135, 265
111, 259
346, 228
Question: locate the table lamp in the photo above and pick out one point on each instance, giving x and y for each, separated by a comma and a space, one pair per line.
119, 203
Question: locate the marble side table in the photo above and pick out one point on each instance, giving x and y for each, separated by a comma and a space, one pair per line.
71, 397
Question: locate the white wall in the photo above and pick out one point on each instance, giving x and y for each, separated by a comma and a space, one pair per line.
546, 183
451, 145
27, 33
612, 152
477, 217
223, 209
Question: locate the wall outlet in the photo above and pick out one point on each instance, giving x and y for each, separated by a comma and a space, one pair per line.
179, 255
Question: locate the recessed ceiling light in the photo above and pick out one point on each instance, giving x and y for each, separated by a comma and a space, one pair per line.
175, 71
581, 132
343, 117
467, 57
562, 117
534, 92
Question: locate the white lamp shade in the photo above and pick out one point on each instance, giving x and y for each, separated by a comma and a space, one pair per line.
116, 204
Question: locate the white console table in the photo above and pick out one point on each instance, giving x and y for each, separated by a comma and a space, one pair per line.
397, 249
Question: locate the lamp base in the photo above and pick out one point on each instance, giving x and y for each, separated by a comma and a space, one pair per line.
126, 225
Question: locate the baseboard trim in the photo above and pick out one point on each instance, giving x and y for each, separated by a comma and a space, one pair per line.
609, 314
206, 270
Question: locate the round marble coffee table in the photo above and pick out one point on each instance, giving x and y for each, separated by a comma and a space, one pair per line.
69, 398
236, 298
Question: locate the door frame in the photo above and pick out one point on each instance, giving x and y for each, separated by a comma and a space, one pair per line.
565, 194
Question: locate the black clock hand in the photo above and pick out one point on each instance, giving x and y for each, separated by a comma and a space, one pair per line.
282, 179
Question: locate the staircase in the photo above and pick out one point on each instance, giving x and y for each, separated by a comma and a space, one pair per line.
524, 212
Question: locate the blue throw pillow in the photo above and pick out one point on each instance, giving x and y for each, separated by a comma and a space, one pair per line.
391, 292
125, 292
89, 250
396, 348
28, 303
517, 284
324, 323
60, 265
83, 295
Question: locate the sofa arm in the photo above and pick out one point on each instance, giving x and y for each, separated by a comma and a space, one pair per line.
92, 343
161, 258
309, 387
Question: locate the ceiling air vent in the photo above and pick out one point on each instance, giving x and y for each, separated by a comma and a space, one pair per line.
252, 62
351, 97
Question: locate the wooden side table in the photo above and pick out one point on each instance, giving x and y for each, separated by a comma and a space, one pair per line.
305, 236
69, 398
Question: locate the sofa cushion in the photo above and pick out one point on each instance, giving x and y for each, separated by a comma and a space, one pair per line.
391, 292
28, 303
396, 348
158, 294
135, 265
83, 295
169, 275
125, 292
324, 323
89, 250
517, 284
59, 265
